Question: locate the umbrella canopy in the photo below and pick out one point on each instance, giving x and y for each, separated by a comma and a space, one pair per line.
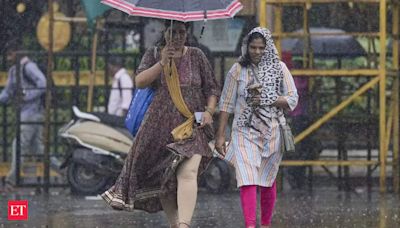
326, 45
183, 10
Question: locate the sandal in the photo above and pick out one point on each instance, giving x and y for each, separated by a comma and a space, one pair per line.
183, 223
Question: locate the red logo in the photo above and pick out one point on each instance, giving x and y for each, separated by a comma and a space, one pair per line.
18, 210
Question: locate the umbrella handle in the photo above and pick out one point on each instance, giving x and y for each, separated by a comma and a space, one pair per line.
170, 31
170, 41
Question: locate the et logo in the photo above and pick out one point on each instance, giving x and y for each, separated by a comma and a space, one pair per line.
18, 210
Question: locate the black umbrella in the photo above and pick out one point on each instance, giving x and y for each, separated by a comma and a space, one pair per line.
325, 45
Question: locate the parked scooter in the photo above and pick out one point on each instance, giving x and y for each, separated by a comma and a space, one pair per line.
98, 144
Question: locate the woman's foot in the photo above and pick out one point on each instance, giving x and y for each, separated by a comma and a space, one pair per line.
183, 225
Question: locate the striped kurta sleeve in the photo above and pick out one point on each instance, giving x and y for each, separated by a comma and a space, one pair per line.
289, 88
228, 98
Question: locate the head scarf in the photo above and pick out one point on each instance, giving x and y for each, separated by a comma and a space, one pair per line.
269, 75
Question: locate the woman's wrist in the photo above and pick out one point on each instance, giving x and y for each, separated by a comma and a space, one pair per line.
209, 110
220, 133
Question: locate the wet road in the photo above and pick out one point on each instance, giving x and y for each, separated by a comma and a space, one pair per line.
324, 207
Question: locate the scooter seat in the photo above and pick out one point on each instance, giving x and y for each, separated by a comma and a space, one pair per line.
105, 118
112, 120
84, 115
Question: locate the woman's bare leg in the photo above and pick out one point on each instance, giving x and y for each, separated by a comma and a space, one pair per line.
187, 189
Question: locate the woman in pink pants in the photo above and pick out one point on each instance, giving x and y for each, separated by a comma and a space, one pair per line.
257, 90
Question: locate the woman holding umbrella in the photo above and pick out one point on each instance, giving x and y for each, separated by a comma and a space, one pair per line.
183, 83
257, 90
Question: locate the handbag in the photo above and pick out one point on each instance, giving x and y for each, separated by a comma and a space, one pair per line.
174, 159
140, 102
287, 139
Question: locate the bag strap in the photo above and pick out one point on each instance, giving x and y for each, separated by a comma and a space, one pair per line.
238, 69
171, 75
175, 89
26, 76
120, 87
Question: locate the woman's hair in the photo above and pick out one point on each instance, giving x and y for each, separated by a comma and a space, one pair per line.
245, 60
167, 23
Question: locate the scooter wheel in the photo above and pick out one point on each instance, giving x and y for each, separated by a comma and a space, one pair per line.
85, 181
217, 177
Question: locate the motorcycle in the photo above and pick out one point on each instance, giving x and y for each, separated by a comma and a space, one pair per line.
98, 144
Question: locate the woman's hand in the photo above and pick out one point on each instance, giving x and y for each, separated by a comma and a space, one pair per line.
206, 119
169, 52
254, 94
220, 144
255, 101
166, 54
281, 102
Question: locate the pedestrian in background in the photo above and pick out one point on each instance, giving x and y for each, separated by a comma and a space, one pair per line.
121, 88
33, 85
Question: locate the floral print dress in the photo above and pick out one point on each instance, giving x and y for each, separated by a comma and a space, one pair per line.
140, 182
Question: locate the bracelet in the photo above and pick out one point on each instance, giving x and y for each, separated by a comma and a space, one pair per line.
209, 110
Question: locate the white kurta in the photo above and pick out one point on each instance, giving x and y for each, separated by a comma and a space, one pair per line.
121, 93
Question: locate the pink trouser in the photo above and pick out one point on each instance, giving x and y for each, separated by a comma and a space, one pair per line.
248, 197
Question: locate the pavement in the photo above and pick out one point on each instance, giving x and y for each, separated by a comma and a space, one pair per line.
322, 207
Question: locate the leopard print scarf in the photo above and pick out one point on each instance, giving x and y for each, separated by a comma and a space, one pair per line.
269, 75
